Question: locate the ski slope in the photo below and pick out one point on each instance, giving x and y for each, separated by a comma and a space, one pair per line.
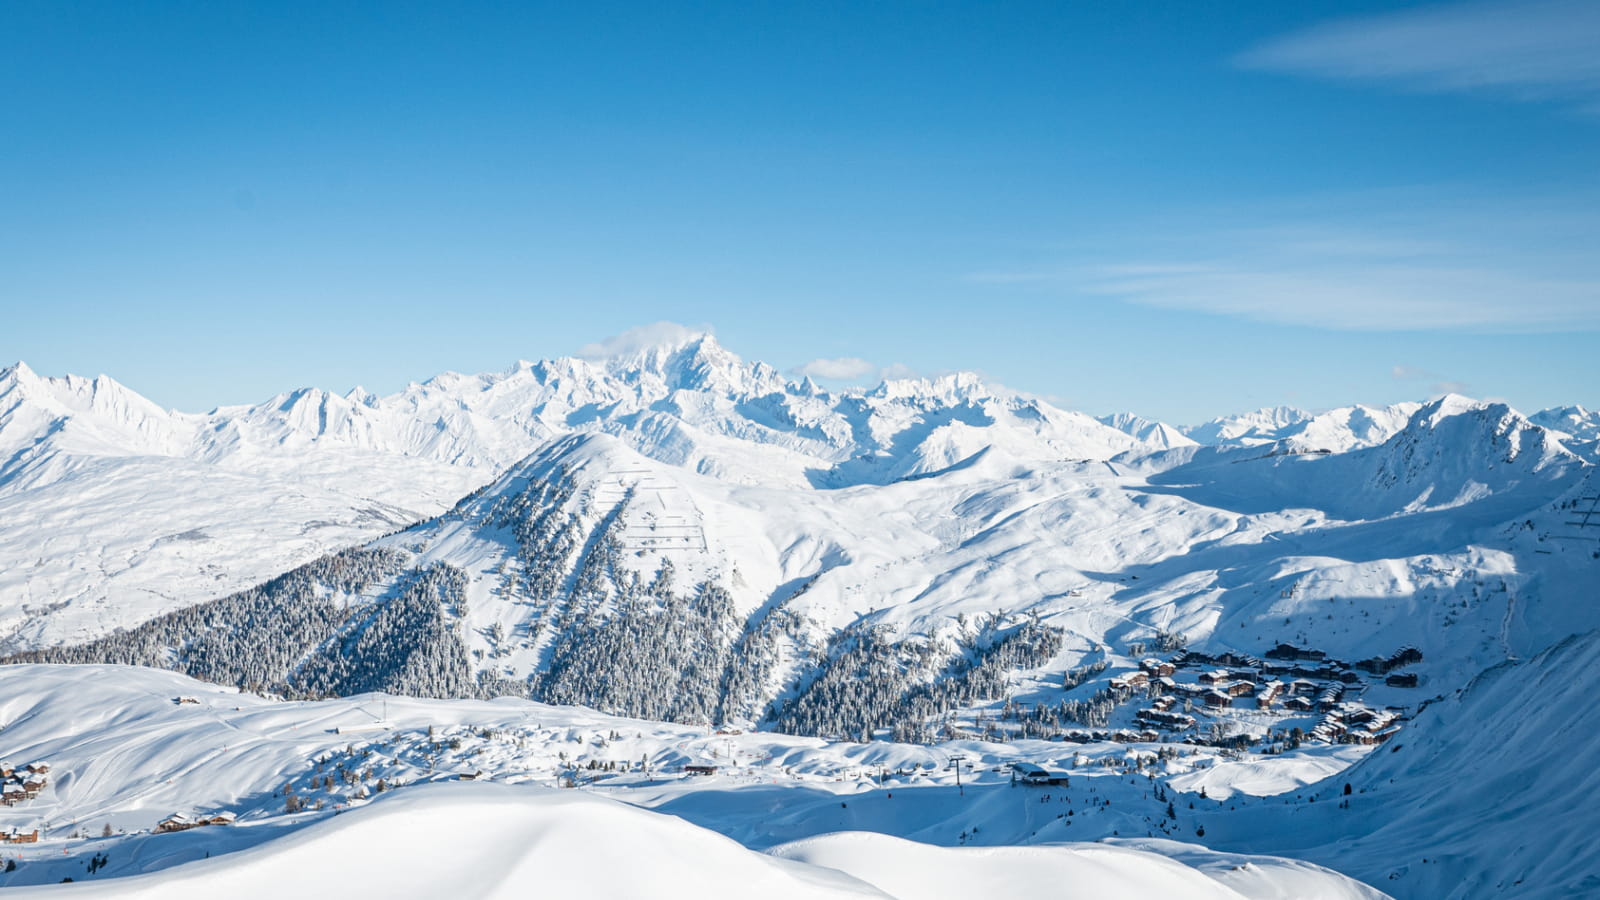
124, 754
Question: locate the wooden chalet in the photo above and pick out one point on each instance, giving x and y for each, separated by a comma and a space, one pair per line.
15, 836
1130, 680
184, 821
1269, 694
1161, 718
1157, 668
1291, 652
1217, 699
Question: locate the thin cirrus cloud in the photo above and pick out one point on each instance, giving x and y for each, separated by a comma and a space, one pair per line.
1369, 296
837, 369
1442, 262
1524, 49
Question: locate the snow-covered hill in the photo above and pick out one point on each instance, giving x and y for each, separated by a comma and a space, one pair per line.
366, 796
1489, 793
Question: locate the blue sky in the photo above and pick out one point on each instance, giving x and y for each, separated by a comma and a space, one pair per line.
1179, 209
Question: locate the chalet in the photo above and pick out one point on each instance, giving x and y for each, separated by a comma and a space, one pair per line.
1157, 668
1216, 698
700, 770
12, 794
1302, 686
1177, 687
1028, 773
1130, 680
1402, 679
1358, 715
184, 821
1299, 704
1269, 694
1291, 652
175, 822
1370, 736
1162, 718
1378, 665
1125, 736
1329, 730
1239, 689
1215, 676
38, 768
1164, 703
1383, 734
7, 770
1236, 659
20, 837
31, 789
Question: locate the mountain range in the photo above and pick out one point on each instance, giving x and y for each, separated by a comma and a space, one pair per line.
790, 524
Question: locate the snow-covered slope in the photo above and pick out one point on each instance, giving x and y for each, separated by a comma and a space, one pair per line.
384, 810
1489, 793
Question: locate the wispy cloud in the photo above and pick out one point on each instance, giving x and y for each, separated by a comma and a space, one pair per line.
837, 369
643, 337
1423, 260
1523, 49
1366, 296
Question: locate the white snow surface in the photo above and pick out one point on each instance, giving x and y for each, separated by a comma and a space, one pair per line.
124, 754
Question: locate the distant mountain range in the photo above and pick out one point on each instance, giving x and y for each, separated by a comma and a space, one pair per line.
918, 540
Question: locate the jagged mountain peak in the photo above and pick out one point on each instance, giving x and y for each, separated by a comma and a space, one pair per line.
958, 387
1261, 426
1158, 434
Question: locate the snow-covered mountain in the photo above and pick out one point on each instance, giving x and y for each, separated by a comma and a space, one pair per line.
941, 516
673, 535
593, 573
113, 510
1158, 434
1336, 430
1574, 421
